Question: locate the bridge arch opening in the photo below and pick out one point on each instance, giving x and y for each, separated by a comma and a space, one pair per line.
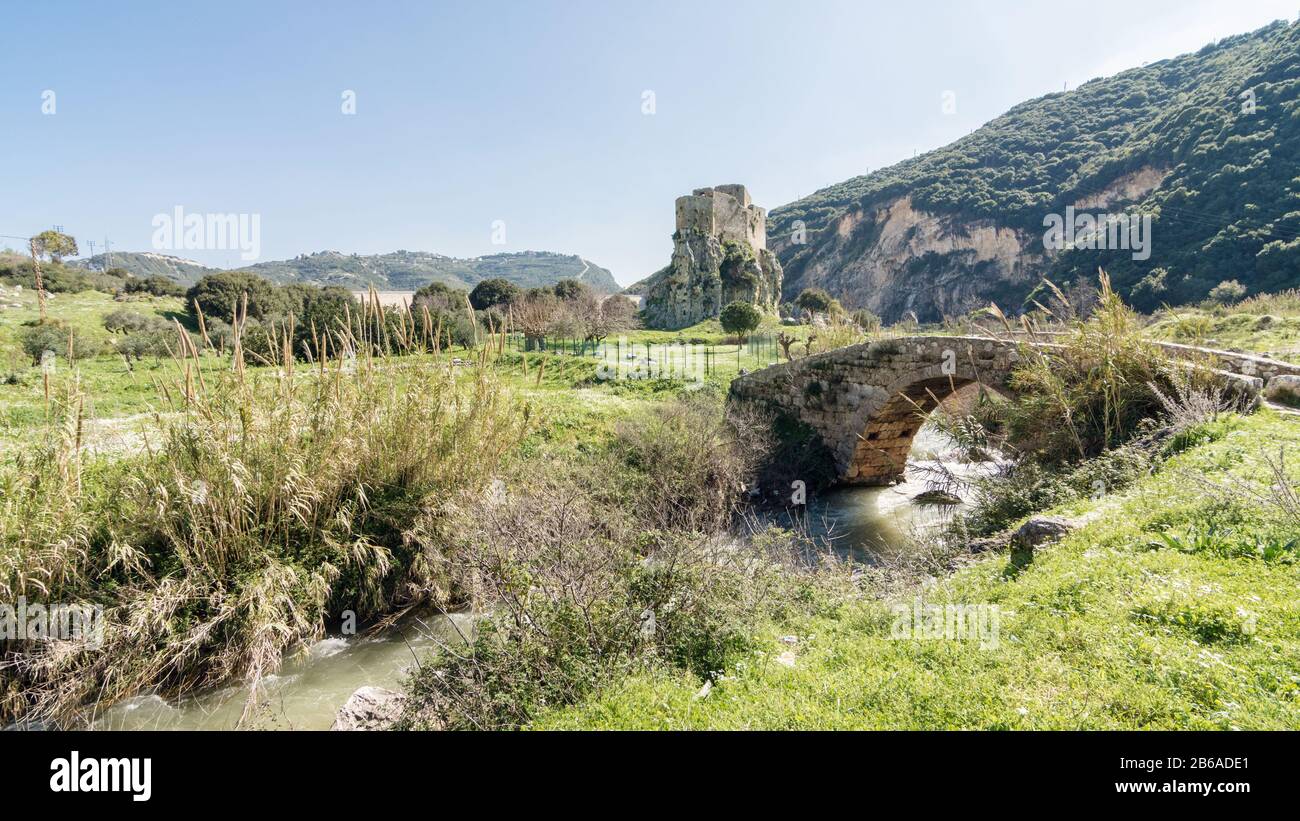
885, 443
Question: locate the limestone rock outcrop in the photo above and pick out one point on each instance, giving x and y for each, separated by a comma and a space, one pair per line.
720, 256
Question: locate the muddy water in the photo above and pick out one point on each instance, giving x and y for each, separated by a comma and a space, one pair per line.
862, 523
308, 690
866, 523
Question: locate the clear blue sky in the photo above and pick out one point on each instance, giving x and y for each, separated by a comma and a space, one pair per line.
530, 113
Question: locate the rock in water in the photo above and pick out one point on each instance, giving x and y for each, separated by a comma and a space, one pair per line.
369, 708
936, 497
720, 256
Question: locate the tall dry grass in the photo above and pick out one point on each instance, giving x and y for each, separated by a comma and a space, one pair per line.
271, 501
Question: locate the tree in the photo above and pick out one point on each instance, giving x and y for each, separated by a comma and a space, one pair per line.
817, 301
570, 290
440, 296
605, 316
54, 246
494, 291
534, 317
740, 318
220, 295
325, 312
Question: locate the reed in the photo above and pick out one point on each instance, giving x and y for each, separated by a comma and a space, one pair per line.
269, 502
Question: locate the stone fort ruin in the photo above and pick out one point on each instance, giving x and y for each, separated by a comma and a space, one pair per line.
719, 256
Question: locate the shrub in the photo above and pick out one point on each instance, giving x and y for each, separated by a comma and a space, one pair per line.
867, 321
154, 286
1227, 292
55, 336
815, 300
1092, 392
220, 295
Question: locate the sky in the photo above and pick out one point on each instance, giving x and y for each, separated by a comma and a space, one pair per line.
479, 128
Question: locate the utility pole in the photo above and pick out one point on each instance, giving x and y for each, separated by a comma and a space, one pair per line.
108, 254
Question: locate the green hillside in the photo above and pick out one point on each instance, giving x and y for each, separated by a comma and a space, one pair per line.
1229, 207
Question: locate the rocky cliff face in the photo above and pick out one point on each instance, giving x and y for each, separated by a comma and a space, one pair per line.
719, 256
894, 259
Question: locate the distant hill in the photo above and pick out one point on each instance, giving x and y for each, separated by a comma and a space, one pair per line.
1207, 144
146, 264
397, 271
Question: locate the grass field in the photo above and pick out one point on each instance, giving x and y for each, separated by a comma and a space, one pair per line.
1103, 631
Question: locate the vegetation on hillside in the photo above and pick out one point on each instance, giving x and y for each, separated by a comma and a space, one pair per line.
1224, 122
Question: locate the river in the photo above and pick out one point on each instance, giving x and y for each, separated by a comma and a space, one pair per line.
857, 522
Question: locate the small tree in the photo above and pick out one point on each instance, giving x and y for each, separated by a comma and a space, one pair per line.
54, 246
601, 317
50, 244
740, 318
785, 340
534, 316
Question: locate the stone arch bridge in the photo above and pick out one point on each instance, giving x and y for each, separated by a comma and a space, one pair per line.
868, 401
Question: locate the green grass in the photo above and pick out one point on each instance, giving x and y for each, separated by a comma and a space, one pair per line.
1101, 631
1246, 327
112, 391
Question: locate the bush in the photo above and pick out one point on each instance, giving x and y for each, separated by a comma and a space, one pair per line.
54, 336
219, 296
1227, 293
867, 321
1092, 392
588, 580
152, 285
817, 301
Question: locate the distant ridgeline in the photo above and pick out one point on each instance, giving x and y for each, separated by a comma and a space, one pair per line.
1207, 145
720, 256
398, 271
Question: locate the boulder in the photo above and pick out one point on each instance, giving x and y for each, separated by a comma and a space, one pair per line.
1042, 530
369, 708
1284, 389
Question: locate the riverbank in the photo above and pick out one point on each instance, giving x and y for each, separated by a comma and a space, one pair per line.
1105, 630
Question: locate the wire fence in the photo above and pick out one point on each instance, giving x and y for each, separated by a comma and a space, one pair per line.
667, 360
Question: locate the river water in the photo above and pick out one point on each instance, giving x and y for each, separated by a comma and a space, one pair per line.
857, 522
